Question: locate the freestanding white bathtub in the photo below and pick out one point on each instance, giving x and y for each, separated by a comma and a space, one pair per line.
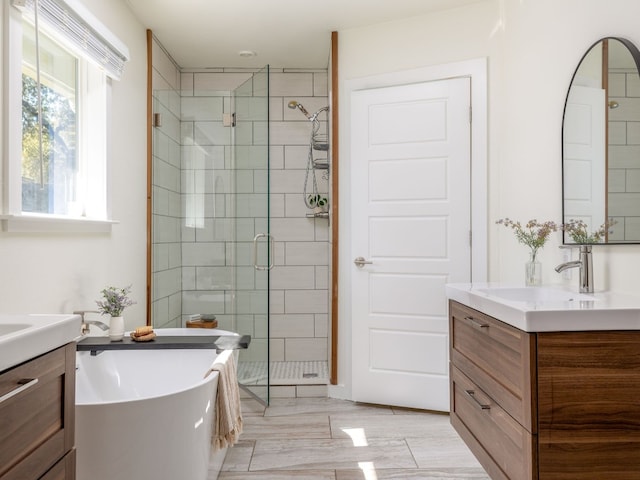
147, 415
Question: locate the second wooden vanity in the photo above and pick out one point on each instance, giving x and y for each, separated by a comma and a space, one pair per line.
37, 396
545, 405
37, 417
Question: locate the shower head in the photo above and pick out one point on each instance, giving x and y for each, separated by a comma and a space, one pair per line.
293, 105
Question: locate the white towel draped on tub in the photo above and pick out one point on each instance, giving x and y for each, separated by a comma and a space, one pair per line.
227, 424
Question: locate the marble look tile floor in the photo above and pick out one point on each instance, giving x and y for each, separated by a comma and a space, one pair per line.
329, 439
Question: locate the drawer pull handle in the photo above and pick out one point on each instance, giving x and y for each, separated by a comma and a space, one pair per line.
24, 384
476, 323
482, 406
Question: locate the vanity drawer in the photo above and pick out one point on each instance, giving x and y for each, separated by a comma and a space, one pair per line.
37, 420
498, 357
65, 469
503, 447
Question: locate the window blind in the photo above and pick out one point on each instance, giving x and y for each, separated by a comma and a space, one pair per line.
81, 31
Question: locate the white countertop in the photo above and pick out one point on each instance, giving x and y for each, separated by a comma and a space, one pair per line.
550, 308
25, 336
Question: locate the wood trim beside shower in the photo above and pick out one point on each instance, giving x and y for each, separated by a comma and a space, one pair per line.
605, 87
333, 375
149, 164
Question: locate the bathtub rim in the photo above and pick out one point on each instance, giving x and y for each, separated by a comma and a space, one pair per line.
210, 376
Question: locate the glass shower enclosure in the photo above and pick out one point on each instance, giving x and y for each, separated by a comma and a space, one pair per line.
253, 248
211, 248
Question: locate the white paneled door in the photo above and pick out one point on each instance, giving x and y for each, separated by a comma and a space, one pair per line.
584, 152
410, 179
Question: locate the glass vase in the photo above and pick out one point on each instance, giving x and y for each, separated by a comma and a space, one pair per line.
532, 272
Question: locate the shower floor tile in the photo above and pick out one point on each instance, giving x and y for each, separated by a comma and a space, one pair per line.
284, 373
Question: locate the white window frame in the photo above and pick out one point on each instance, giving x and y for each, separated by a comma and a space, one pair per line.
11, 215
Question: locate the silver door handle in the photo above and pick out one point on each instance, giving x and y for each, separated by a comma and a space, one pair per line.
361, 262
269, 238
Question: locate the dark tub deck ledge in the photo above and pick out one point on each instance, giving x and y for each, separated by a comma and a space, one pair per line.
219, 342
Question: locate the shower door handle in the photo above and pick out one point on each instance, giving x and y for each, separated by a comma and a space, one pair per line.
269, 238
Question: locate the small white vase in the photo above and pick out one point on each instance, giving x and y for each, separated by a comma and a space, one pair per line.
116, 329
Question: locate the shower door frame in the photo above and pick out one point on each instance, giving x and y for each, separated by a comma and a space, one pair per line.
250, 117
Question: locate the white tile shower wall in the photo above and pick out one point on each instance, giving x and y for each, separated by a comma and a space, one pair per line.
299, 281
166, 279
299, 318
624, 147
206, 186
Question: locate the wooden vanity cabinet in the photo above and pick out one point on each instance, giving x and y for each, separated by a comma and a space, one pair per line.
37, 424
546, 406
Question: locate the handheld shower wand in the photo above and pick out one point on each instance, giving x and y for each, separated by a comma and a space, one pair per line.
293, 105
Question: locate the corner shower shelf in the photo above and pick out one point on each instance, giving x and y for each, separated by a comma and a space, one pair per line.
320, 142
321, 164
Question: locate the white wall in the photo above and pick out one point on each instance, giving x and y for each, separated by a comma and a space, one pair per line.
543, 42
62, 272
532, 49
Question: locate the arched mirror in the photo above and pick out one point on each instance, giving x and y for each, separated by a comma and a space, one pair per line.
601, 142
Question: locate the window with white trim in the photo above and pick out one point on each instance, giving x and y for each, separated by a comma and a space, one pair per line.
61, 60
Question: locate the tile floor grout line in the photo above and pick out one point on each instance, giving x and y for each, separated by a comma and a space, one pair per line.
411, 452
255, 443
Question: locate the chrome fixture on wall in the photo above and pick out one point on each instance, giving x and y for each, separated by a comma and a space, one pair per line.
318, 142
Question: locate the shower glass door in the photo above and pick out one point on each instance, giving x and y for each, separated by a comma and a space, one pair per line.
253, 255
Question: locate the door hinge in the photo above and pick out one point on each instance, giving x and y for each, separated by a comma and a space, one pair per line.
470, 114
470, 238
228, 119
